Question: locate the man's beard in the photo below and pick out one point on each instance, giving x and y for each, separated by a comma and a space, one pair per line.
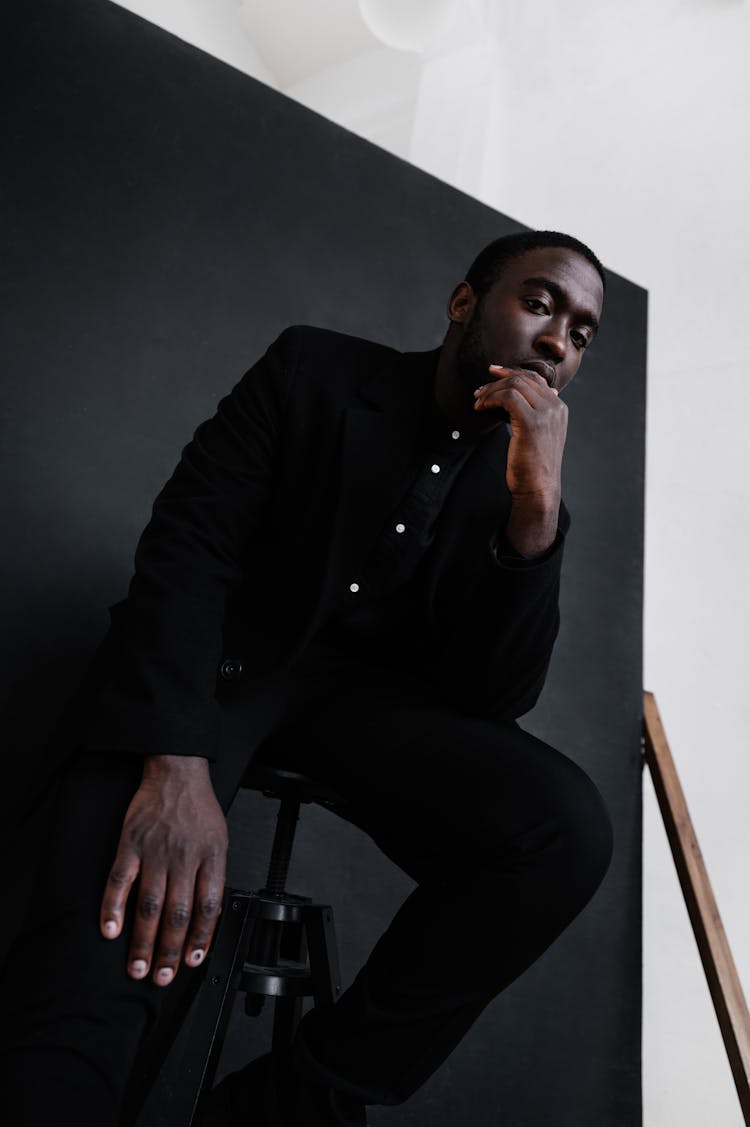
472, 365
471, 359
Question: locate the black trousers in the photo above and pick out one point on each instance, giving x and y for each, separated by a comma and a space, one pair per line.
474, 811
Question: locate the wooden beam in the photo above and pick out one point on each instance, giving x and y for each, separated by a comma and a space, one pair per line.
718, 964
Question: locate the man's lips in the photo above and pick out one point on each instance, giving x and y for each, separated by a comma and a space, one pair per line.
542, 368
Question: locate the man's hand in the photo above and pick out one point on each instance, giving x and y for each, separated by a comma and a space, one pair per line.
538, 424
174, 838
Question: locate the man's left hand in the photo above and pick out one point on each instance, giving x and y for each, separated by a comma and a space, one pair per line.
538, 424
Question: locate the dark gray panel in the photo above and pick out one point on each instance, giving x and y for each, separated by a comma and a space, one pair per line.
164, 217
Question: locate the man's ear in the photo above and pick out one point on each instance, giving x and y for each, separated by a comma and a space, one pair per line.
461, 304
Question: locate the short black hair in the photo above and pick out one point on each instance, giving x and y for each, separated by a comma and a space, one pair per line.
490, 262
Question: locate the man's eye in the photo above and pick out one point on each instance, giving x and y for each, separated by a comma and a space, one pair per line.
536, 305
579, 340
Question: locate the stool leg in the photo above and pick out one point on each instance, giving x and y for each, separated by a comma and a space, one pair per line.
324, 959
212, 1009
286, 1017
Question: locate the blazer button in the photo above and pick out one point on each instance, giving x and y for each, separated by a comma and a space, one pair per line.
230, 669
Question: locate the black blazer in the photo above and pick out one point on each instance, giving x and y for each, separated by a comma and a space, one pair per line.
268, 518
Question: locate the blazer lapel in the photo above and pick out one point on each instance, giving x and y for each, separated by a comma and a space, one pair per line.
378, 447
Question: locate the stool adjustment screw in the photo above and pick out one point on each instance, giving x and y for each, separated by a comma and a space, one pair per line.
278, 866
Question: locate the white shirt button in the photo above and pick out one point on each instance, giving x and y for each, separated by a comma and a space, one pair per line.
400, 528
455, 434
354, 587
435, 468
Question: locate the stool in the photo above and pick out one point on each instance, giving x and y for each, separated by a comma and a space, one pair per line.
268, 944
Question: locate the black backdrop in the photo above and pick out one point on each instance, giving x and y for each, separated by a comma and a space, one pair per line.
164, 216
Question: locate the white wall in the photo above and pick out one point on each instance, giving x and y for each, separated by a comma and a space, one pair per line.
625, 123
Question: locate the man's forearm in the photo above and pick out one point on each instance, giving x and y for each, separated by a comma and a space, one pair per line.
532, 525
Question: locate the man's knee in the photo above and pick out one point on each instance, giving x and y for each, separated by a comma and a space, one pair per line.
553, 828
582, 834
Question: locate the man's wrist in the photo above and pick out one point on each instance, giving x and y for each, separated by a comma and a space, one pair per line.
532, 525
175, 766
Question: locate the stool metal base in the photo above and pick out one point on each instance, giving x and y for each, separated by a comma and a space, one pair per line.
278, 946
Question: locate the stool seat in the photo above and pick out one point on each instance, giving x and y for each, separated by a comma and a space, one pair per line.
280, 782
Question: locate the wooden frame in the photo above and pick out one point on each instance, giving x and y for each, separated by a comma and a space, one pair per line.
718, 964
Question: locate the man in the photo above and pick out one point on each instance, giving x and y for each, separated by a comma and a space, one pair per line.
375, 540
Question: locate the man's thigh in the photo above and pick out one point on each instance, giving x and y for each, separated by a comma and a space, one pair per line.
429, 783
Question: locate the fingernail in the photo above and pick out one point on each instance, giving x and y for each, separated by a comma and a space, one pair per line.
479, 389
138, 968
110, 929
165, 975
197, 957
497, 368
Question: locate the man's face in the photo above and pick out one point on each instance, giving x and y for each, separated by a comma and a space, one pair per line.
540, 314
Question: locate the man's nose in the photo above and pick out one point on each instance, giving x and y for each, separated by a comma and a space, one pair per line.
552, 342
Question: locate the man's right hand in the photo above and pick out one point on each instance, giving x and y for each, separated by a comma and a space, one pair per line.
174, 838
